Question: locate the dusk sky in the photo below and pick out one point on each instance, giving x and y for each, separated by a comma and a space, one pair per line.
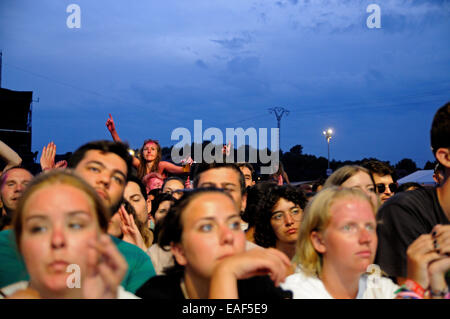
158, 65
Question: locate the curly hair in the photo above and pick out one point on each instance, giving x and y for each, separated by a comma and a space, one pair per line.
264, 233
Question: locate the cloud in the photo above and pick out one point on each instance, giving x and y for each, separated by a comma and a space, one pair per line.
235, 42
243, 65
201, 64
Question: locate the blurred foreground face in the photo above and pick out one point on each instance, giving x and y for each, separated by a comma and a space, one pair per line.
349, 242
362, 181
16, 180
58, 221
211, 232
285, 221
106, 173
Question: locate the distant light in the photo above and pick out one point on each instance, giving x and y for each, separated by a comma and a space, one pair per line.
131, 152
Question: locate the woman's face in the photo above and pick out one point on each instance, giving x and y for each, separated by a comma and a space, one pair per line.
349, 242
162, 211
362, 181
285, 221
150, 151
211, 232
58, 222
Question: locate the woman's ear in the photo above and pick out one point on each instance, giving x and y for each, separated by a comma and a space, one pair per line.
317, 242
178, 253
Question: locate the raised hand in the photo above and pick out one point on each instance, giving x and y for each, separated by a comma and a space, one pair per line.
47, 159
110, 124
106, 270
130, 231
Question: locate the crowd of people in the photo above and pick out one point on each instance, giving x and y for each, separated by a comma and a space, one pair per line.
111, 224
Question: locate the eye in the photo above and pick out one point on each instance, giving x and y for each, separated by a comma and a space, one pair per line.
295, 211
118, 179
235, 225
206, 228
370, 227
348, 228
37, 229
75, 225
93, 169
277, 216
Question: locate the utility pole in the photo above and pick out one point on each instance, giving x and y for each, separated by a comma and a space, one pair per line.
279, 112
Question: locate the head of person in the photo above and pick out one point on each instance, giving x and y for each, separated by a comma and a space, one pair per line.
256, 196
438, 174
354, 176
161, 206
174, 186
439, 135
149, 152
226, 176
278, 222
106, 166
338, 230
136, 194
12, 184
410, 186
56, 218
202, 228
384, 177
249, 172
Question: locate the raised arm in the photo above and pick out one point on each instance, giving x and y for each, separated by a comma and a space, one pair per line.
112, 129
172, 168
9, 156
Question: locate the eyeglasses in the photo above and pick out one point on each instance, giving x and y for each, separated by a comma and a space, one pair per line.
382, 187
295, 214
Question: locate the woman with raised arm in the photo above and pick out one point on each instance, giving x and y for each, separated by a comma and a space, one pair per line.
204, 233
60, 228
151, 170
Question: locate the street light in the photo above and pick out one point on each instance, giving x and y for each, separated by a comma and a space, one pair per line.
328, 134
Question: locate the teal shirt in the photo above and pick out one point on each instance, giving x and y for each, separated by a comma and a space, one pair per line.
12, 266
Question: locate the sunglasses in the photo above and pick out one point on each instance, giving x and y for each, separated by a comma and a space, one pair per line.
382, 187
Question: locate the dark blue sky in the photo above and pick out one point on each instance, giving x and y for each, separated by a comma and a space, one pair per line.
159, 65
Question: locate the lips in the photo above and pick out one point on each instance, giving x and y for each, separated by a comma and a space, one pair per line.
58, 266
291, 231
364, 253
103, 194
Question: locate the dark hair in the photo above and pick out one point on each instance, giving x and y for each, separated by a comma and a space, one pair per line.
264, 234
440, 129
141, 185
142, 170
203, 167
159, 198
404, 187
249, 166
256, 200
172, 178
172, 228
379, 168
118, 148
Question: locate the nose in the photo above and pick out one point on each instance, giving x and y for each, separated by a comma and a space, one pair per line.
288, 220
58, 239
104, 178
226, 235
365, 236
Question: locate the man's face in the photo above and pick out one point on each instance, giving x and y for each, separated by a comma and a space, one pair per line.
134, 196
383, 185
13, 185
227, 179
106, 172
247, 176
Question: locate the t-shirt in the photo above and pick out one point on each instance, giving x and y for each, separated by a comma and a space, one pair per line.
12, 266
168, 287
402, 219
311, 287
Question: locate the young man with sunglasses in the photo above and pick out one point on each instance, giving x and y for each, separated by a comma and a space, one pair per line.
408, 215
383, 175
